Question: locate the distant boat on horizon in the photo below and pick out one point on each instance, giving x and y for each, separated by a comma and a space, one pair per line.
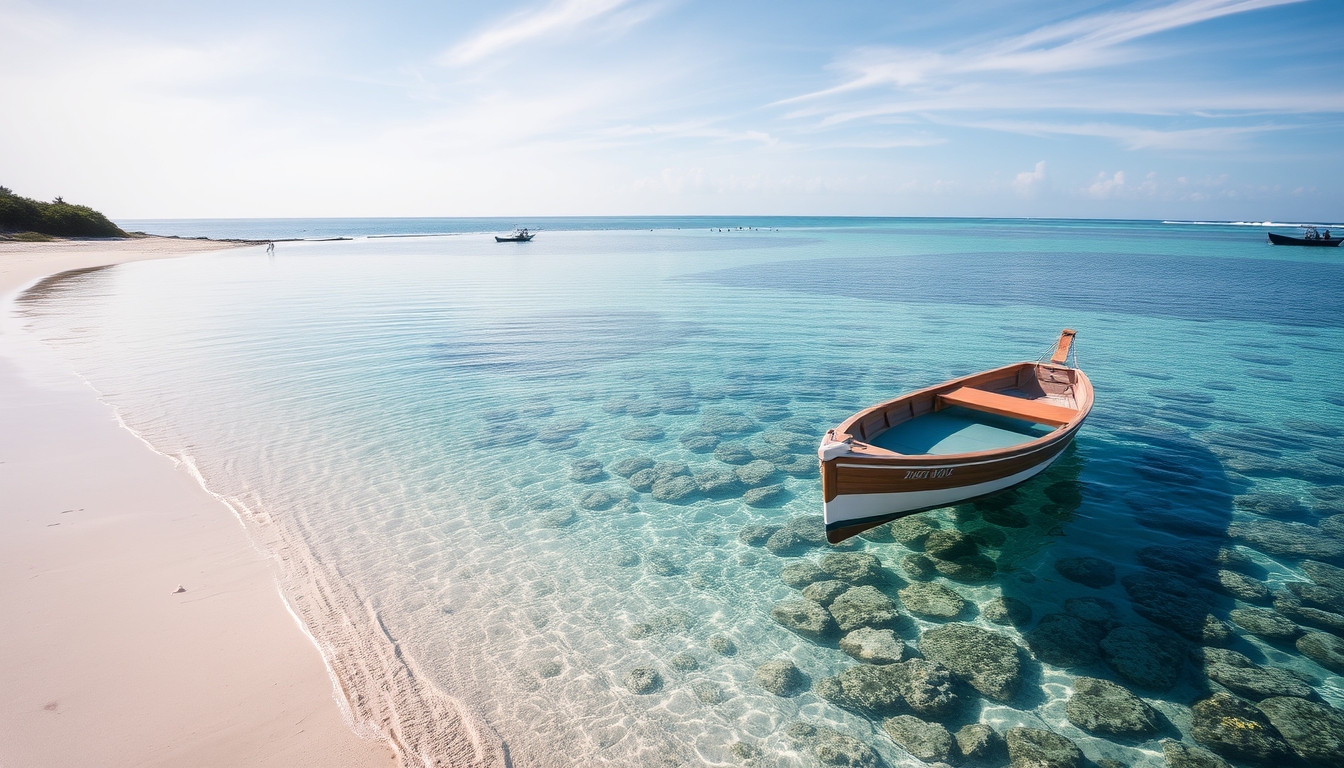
953, 442
1313, 238
520, 235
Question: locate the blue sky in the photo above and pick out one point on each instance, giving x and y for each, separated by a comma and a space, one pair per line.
1189, 109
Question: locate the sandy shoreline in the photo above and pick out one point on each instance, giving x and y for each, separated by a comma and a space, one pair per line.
100, 664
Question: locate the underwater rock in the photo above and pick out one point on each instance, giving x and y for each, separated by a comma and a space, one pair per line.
987, 661
913, 531
1231, 557
874, 646
1180, 755
1243, 587
643, 408
719, 422
974, 569
597, 500
1007, 611
697, 442
1246, 678
661, 564
794, 441
804, 617
1006, 517
799, 575
1066, 493
723, 645
1238, 731
928, 688
764, 496
708, 692
801, 467
1316, 596
1293, 608
988, 537
673, 489
1326, 576
1191, 562
684, 662
755, 473
645, 433
927, 741
879, 690
717, 482
829, 747
1314, 731
863, 606
1326, 650
1333, 526
933, 601
756, 535
800, 532
979, 742
1035, 748
868, 689
680, 406
880, 534
824, 592
1148, 657
1174, 602
642, 680
643, 480
1094, 610
1265, 623
1102, 707
949, 545
559, 518
781, 677
1088, 571
1279, 505
768, 452
732, 453
1274, 537
918, 567
586, 471
1065, 641
853, 567
630, 465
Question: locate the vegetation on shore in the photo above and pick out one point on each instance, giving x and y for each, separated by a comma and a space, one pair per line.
23, 218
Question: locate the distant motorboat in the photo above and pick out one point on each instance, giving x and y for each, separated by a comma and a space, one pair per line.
951, 443
518, 236
1319, 242
1313, 238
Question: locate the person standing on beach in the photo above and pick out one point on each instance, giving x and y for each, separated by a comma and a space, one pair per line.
270, 249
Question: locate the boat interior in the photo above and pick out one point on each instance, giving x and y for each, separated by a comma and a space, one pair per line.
996, 409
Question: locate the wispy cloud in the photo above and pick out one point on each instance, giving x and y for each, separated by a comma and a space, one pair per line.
559, 17
1131, 137
1088, 42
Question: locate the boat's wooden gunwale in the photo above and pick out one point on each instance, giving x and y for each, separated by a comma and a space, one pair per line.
863, 452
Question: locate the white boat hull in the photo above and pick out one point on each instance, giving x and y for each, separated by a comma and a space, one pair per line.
853, 508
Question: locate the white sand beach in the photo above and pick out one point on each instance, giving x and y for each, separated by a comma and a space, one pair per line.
101, 662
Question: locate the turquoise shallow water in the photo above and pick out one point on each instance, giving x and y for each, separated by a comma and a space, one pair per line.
441, 421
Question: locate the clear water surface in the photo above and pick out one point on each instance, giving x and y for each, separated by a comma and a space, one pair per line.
439, 421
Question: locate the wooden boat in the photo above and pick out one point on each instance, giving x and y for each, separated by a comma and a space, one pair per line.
950, 443
1316, 241
518, 236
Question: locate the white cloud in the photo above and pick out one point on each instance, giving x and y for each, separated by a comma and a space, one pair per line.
1028, 183
1085, 43
559, 17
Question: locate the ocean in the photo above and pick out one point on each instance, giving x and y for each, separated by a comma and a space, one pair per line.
442, 437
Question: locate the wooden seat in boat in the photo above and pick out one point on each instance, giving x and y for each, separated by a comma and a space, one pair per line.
1012, 407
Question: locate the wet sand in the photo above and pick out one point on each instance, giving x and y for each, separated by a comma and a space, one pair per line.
101, 662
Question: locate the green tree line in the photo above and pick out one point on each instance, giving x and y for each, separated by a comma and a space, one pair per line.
57, 218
